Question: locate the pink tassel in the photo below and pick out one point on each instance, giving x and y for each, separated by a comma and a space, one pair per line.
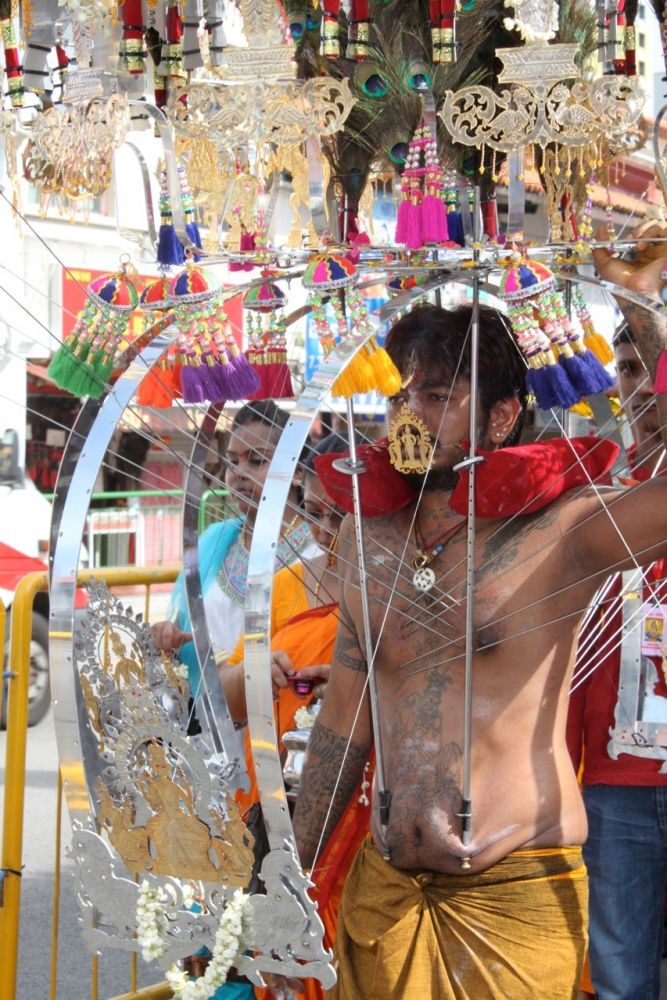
660, 384
402, 220
434, 220
246, 242
409, 225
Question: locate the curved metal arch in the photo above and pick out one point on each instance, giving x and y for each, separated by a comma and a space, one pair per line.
210, 704
83, 457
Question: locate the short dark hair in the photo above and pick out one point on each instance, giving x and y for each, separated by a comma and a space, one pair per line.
623, 335
263, 411
336, 443
440, 339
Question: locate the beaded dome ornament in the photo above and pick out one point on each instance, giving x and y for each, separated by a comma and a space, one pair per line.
84, 362
333, 277
212, 369
267, 352
560, 368
162, 384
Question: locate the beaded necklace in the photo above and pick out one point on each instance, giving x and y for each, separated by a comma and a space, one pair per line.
423, 577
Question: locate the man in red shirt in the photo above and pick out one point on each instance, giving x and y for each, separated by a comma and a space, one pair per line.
618, 704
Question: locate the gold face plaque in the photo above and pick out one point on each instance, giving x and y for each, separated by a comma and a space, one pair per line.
410, 446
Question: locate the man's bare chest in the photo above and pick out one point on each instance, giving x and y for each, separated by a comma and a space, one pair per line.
514, 585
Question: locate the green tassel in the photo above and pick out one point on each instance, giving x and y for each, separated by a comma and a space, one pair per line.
71, 374
84, 382
58, 363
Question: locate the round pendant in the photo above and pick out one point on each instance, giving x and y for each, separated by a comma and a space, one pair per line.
423, 578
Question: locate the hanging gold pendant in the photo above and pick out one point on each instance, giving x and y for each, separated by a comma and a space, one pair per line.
410, 445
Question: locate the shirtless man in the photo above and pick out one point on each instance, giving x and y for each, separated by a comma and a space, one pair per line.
418, 919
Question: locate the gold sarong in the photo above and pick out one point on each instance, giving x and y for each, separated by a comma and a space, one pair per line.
514, 932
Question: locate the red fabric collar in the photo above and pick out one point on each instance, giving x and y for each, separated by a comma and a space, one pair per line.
518, 480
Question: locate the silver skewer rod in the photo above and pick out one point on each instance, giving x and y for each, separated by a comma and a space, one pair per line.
471, 462
384, 795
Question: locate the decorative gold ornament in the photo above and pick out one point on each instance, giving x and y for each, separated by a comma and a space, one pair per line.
284, 114
174, 840
163, 798
541, 108
410, 445
252, 94
76, 146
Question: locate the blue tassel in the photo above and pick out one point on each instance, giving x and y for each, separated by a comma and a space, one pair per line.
551, 387
169, 247
455, 228
192, 229
586, 373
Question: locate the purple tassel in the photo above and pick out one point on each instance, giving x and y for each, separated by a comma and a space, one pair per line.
193, 384
586, 373
246, 377
241, 379
169, 248
434, 220
210, 383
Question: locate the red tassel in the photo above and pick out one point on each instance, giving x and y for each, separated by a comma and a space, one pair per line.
13, 67
490, 219
660, 383
132, 54
330, 44
358, 46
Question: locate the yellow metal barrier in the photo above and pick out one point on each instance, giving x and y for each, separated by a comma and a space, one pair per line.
3, 626
161, 991
15, 758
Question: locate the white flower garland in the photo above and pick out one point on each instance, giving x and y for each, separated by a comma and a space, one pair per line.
303, 718
151, 921
230, 941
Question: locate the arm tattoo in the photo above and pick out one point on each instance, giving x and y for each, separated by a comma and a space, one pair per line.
347, 651
332, 770
649, 333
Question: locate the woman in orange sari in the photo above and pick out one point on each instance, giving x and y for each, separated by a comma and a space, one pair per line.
304, 625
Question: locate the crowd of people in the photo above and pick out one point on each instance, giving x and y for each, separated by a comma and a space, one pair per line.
478, 870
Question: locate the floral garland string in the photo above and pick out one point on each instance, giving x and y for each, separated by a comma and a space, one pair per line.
234, 930
152, 924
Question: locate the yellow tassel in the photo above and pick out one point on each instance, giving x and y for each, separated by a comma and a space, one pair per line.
596, 343
387, 375
370, 370
582, 409
342, 387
